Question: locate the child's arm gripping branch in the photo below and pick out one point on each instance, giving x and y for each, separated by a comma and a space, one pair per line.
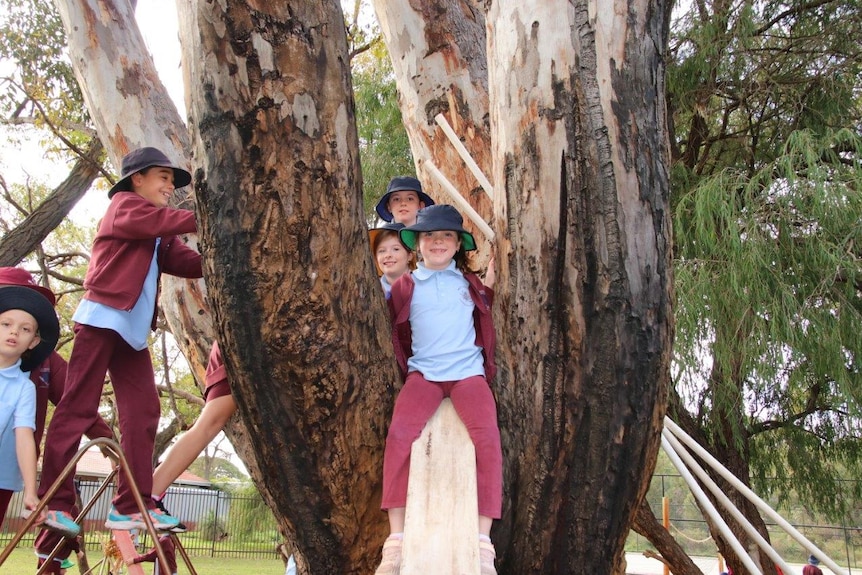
25, 449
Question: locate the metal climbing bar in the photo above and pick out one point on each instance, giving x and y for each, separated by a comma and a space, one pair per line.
122, 464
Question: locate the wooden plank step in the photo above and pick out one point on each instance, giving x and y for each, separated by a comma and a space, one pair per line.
441, 529
127, 548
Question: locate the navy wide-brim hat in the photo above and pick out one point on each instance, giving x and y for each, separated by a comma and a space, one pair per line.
144, 158
434, 218
37, 305
813, 560
400, 184
387, 227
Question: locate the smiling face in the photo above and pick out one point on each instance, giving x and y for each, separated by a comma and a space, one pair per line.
438, 248
403, 206
154, 185
18, 333
392, 257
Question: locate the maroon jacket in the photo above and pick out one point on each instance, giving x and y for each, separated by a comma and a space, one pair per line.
124, 246
50, 381
402, 334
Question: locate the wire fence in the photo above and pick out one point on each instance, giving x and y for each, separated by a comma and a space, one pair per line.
842, 541
220, 523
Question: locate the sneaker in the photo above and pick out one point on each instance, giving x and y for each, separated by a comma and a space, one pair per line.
62, 523
487, 554
391, 563
180, 526
161, 520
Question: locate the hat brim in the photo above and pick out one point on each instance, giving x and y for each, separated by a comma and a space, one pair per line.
409, 238
384, 212
34, 303
182, 178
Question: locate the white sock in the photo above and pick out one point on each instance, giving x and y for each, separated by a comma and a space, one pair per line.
484, 538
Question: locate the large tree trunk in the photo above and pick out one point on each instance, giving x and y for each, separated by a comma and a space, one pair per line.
576, 118
300, 314
27, 236
580, 164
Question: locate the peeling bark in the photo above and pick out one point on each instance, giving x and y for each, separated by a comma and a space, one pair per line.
437, 48
580, 158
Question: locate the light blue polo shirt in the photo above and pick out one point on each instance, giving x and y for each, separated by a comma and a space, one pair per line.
441, 321
17, 409
134, 325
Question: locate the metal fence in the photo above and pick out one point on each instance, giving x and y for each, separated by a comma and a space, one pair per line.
221, 524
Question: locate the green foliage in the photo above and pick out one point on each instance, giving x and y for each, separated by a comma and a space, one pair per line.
248, 512
218, 470
42, 85
212, 528
384, 149
766, 181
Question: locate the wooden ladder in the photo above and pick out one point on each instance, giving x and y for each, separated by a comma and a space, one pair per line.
441, 525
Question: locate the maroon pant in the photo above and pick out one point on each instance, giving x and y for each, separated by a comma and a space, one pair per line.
416, 403
5, 498
98, 351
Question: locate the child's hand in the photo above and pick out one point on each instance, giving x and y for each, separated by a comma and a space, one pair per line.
30, 503
490, 273
130, 561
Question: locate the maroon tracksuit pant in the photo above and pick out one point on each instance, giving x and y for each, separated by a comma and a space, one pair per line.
98, 351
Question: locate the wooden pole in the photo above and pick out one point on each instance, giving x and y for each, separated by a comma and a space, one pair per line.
459, 200
441, 523
465, 155
665, 519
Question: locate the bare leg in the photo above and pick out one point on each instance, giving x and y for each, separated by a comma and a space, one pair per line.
211, 421
396, 519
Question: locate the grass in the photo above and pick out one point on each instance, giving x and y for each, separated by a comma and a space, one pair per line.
22, 560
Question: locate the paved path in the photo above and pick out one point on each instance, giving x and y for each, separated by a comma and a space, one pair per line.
637, 564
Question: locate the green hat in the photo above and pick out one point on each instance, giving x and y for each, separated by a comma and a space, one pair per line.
436, 218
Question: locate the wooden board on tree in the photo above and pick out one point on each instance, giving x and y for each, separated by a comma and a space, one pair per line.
441, 527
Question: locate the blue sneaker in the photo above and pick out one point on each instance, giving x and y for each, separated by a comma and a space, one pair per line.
62, 523
161, 521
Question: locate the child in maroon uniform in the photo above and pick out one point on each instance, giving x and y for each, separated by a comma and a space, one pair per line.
135, 243
444, 340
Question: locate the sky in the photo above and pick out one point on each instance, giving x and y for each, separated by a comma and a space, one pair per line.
157, 20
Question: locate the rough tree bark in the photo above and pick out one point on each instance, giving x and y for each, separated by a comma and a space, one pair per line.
301, 319
27, 236
580, 161
441, 67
